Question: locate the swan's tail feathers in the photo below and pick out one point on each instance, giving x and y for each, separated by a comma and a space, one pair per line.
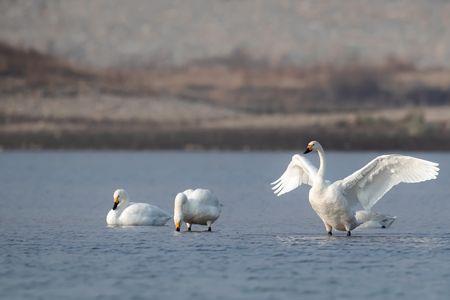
369, 219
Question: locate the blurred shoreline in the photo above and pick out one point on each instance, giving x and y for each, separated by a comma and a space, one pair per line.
230, 103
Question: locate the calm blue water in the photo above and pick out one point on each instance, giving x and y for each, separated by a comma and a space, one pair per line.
54, 242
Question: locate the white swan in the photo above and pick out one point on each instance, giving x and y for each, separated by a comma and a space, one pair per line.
126, 213
198, 206
336, 203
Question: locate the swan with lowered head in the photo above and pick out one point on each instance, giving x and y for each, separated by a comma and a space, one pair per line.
337, 203
198, 206
126, 213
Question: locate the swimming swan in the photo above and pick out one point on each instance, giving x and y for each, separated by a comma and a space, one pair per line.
198, 206
336, 203
126, 213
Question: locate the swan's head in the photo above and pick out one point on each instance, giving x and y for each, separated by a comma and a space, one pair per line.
313, 146
120, 197
180, 200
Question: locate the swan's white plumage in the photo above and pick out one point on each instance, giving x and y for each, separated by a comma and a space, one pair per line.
337, 203
199, 206
370, 183
135, 214
299, 171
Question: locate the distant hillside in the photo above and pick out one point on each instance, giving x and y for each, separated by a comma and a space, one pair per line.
306, 33
237, 82
233, 102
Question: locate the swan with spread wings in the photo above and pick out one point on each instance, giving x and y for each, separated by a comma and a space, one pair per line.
337, 203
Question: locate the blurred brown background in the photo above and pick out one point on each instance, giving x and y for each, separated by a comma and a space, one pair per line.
224, 74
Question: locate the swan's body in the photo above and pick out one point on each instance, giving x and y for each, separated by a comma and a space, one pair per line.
198, 206
126, 213
337, 203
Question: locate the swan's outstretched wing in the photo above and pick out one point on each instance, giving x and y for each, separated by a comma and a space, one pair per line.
371, 182
299, 171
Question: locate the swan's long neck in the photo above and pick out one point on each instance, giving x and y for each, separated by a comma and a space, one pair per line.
178, 209
180, 200
321, 172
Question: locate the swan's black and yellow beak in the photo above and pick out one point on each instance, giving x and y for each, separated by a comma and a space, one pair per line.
308, 149
116, 202
177, 225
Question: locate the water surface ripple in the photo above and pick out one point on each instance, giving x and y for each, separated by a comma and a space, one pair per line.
54, 242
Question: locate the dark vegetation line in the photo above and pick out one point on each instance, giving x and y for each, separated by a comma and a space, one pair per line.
222, 139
